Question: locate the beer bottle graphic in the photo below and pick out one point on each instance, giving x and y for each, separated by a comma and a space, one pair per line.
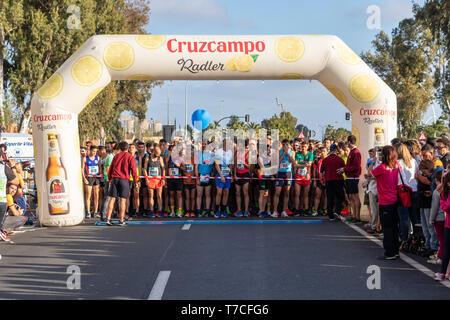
58, 195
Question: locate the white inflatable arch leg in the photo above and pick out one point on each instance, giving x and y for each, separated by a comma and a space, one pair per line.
56, 105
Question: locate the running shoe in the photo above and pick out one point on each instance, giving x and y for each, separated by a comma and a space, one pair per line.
284, 214
217, 214
274, 214
165, 214
246, 214
179, 214
289, 212
439, 277
109, 222
435, 261
4, 237
228, 211
314, 213
151, 214
263, 214
121, 223
97, 215
238, 214
88, 215
224, 214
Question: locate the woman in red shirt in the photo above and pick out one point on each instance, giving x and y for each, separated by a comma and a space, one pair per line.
386, 175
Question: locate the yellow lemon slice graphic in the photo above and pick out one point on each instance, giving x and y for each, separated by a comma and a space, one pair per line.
118, 56
86, 71
289, 49
291, 76
363, 87
355, 132
52, 87
92, 95
338, 94
231, 64
347, 55
244, 63
141, 77
150, 41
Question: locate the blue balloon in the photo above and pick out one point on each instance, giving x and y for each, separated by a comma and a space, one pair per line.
201, 116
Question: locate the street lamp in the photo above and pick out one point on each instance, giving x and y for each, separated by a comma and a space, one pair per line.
185, 107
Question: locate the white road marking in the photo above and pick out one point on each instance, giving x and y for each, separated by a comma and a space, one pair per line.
159, 286
403, 257
186, 227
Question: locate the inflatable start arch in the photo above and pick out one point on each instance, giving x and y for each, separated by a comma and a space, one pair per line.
56, 105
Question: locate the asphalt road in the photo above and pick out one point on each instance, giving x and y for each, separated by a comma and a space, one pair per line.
328, 260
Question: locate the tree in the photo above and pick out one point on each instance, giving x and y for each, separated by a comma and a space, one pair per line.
435, 129
339, 134
285, 123
42, 42
11, 15
435, 15
404, 63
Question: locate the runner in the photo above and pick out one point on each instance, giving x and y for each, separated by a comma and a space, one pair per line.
304, 160
119, 177
111, 153
154, 167
174, 184
264, 185
242, 171
223, 163
141, 157
203, 169
91, 165
284, 172
163, 145
318, 183
187, 168
133, 201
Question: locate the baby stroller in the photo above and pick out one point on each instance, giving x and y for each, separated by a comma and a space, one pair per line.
416, 242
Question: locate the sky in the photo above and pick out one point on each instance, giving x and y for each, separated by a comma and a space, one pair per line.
307, 100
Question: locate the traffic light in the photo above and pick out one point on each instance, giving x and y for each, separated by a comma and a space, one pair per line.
247, 118
347, 116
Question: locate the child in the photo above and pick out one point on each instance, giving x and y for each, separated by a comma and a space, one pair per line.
437, 218
424, 203
445, 206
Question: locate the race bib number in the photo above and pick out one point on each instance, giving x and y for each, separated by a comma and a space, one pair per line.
284, 165
204, 178
225, 171
93, 170
302, 171
153, 171
189, 168
173, 171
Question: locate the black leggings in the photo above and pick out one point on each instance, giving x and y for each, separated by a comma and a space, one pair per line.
446, 255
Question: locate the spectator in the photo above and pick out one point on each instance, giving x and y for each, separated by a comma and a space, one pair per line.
443, 148
372, 163
353, 170
445, 206
428, 153
386, 176
437, 219
425, 194
408, 169
16, 208
119, 177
